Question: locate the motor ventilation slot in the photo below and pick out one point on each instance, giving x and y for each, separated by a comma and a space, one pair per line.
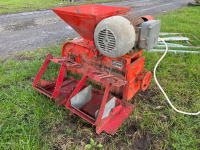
106, 40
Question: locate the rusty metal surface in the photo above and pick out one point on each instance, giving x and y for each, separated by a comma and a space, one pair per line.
69, 92
122, 75
89, 57
133, 18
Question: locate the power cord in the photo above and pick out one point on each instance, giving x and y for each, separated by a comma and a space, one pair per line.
179, 111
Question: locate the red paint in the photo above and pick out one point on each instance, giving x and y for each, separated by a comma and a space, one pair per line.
63, 89
147, 18
81, 57
85, 22
88, 56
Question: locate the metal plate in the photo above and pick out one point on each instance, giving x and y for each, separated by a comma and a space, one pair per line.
109, 105
82, 97
117, 64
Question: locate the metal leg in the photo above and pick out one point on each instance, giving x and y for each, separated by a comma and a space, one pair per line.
42, 70
60, 79
101, 110
76, 90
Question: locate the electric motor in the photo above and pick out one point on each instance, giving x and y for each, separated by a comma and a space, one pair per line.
118, 35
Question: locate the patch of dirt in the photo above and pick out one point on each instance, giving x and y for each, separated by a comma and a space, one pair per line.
129, 139
20, 26
149, 96
76, 132
17, 58
22, 58
31, 79
4, 87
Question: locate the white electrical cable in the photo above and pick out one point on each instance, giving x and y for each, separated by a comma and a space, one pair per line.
186, 113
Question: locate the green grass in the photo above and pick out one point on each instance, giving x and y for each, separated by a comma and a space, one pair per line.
185, 20
16, 6
32, 121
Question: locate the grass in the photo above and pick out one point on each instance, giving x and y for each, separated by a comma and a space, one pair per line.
174, 22
16, 6
32, 121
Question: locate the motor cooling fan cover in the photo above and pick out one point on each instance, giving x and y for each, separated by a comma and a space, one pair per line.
114, 36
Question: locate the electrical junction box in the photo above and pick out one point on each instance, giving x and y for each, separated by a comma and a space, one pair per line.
149, 34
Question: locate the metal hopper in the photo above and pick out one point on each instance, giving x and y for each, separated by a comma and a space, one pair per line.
83, 19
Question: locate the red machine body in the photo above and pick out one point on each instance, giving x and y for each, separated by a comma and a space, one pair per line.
122, 76
130, 66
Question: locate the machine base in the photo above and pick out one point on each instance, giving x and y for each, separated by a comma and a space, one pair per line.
99, 108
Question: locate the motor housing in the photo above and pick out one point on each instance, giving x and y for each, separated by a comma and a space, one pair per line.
114, 36
118, 35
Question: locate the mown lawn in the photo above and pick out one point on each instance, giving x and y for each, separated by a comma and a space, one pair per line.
16, 6
32, 121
